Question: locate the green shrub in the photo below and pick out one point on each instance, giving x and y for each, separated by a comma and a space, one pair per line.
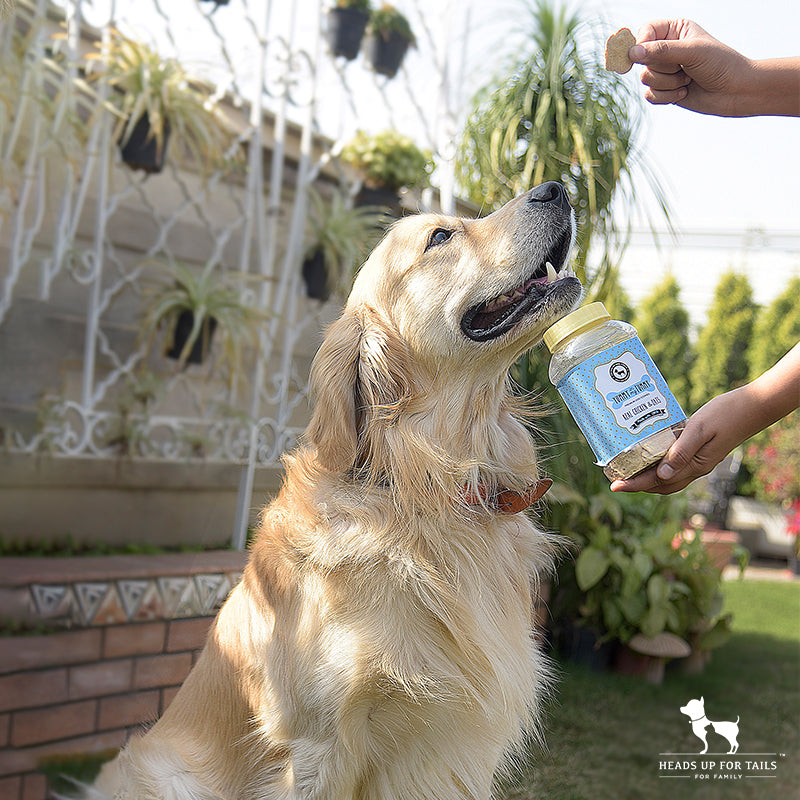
663, 325
721, 352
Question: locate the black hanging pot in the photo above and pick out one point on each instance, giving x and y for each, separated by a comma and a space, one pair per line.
183, 329
385, 52
346, 28
140, 151
315, 276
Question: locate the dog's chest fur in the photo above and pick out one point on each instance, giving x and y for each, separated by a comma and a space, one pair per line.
416, 656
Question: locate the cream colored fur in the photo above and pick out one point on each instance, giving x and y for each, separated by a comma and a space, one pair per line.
379, 645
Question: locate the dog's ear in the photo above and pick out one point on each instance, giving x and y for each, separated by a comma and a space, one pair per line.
360, 381
334, 374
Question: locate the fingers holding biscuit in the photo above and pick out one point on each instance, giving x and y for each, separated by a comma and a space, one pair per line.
664, 81
667, 97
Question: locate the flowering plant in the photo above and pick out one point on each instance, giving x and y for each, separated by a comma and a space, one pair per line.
775, 462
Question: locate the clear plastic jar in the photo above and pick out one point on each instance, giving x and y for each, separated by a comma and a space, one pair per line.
613, 390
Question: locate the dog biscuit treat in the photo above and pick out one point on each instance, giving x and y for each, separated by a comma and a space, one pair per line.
617, 48
613, 389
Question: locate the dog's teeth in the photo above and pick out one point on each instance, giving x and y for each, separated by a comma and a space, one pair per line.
552, 275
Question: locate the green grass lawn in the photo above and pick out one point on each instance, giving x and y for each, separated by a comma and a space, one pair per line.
605, 732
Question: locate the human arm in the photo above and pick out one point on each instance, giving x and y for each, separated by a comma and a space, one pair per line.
685, 65
721, 425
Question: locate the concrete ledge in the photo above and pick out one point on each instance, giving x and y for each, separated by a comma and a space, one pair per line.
22, 571
43, 498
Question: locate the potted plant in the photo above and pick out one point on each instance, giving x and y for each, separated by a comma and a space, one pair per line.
637, 577
389, 36
193, 305
387, 161
347, 21
155, 98
339, 238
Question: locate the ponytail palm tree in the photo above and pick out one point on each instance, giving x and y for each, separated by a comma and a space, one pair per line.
555, 113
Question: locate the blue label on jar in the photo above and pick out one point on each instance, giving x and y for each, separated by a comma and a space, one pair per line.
618, 397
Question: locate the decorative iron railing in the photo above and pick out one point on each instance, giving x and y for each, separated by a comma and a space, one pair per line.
83, 237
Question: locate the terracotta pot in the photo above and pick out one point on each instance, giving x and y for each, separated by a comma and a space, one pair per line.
719, 544
626, 662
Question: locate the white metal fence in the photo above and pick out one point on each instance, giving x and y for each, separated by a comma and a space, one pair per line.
80, 234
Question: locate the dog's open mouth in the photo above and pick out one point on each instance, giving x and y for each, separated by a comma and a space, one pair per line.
493, 318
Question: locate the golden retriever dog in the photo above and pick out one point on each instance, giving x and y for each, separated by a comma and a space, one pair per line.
379, 645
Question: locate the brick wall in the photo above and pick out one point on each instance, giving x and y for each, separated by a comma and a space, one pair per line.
84, 690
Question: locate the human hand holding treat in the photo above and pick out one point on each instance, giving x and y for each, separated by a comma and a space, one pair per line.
686, 66
721, 425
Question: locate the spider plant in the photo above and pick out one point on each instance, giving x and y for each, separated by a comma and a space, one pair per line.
212, 301
157, 96
338, 240
388, 159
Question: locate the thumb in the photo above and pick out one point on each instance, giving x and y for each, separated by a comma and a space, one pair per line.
680, 455
665, 55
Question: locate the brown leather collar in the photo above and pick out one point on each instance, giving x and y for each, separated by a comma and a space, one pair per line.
506, 501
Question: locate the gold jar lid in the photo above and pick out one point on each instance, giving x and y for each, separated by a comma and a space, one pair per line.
578, 321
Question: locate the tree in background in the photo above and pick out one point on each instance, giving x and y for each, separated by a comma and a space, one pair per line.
777, 330
772, 458
721, 352
555, 113
663, 325
611, 293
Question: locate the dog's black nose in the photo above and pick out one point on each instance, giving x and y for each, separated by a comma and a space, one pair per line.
550, 193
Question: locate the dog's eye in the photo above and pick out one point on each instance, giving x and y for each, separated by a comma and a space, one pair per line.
439, 236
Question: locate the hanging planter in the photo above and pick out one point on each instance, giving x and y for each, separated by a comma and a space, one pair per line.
347, 21
200, 347
192, 304
388, 38
142, 149
153, 96
387, 161
315, 276
338, 240
380, 197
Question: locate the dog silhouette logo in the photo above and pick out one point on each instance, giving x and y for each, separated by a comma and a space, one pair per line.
695, 710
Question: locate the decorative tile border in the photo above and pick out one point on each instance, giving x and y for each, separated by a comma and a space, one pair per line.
93, 603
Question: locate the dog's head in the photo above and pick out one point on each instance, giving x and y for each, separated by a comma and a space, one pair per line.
440, 311
694, 709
